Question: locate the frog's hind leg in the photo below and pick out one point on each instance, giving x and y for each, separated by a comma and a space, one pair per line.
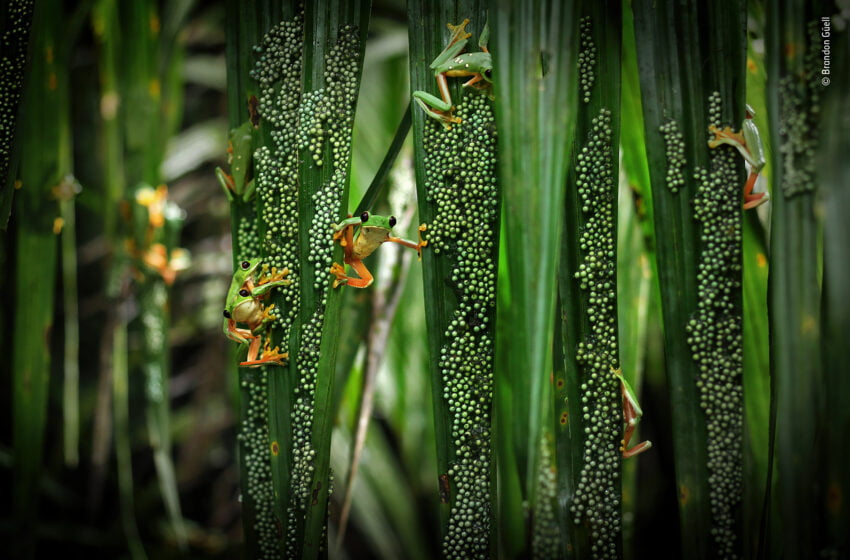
751, 199
364, 281
474, 81
630, 416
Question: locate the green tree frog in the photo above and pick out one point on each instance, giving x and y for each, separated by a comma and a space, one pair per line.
631, 416
244, 305
451, 63
373, 230
240, 149
748, 143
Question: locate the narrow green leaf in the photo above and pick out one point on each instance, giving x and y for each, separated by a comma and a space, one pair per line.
695, 196
306, 97
834, 175
535, 52
15, 22
457, 189
793, 51
588, 295
41, 168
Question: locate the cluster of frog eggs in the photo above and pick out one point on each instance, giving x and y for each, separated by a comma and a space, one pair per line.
798, 126
331, 126
461, 183
546, 542
324, 123
674, 147
597, 496
458, 178
14, 42
248, 240
254, 437
586, 58
278, 73
715, 332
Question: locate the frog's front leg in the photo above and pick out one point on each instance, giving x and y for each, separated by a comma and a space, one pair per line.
345, 235
418, 246
266, 318
269, 280
226, 182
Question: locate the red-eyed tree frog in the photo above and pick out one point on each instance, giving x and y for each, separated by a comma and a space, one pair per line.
451, 63
748, 143
372, 231
244, 305
631, 416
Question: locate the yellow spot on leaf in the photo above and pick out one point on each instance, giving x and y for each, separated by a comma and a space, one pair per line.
48, 55
751, 65
52, 81
790, 50
684, 494
154, 88
275, 448
809, 325
18, 184
154, 24
833, 498
761, 260
57, 225
109, 105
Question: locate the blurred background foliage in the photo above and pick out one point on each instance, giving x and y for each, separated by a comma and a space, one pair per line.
119, 473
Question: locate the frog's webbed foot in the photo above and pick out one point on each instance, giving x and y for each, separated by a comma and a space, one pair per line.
274, 276
339, 235
637, 449
726, 135
270, 356
267, 317
338, 270
422, 242
459, 32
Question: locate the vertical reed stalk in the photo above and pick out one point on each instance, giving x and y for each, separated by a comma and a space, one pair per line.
535, 53
458, 192
593, 409
15, 22
696, 203
307, 75
834, 176
794, 89
42, 167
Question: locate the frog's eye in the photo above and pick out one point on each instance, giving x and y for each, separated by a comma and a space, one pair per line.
245, 265
244, 293
392, 221
226, 314
488, 73
364, 217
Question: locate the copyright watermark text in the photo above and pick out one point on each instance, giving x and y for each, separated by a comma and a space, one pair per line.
825, 26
